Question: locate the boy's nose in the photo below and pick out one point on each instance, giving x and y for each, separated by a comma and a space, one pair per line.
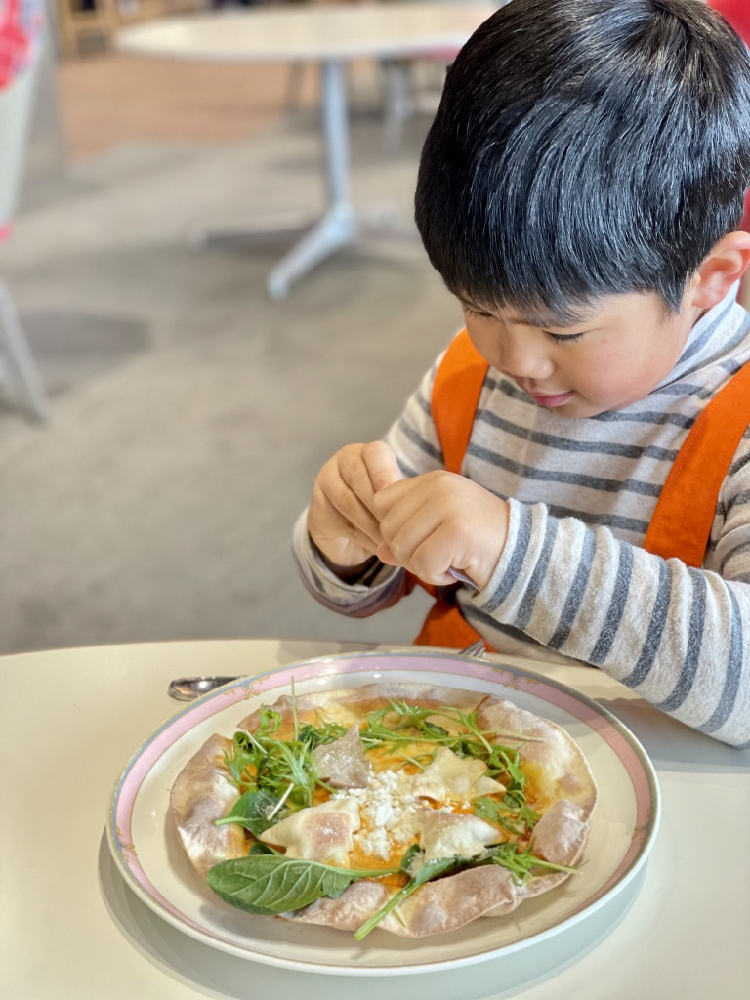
527, 364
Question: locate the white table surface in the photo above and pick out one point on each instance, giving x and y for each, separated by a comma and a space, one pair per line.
71, 928
309, 33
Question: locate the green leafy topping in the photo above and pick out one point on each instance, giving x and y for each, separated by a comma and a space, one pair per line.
276, 777
419, 872
256, 811
273, 883
315, 736
259, 762
270, 721
285, 769
259, 848
521, 863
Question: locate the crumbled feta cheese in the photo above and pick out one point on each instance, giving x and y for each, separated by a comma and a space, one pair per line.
387, 810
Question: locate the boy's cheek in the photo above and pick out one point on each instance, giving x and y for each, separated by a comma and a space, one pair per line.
612, 383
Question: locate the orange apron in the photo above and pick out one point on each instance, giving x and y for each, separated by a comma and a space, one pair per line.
681, 522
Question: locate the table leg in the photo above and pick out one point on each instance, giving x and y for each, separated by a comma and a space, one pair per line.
338, 225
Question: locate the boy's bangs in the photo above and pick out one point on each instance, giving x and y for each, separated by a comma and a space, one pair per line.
559, 170
557, 217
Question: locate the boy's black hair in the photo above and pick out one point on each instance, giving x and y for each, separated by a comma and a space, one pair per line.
585, 148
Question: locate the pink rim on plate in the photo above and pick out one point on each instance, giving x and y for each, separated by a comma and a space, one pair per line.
331, 671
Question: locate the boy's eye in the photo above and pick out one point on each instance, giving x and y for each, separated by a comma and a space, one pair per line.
557, 338
563, 338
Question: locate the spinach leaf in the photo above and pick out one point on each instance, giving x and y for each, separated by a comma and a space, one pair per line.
253, 811
273, 883
260, 848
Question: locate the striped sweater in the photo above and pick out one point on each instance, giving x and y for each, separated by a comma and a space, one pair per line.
573, 580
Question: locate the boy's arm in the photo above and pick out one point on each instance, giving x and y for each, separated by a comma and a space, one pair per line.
679, 636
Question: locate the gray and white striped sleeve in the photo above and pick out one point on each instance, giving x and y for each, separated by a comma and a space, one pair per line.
413, 437
679, 636
379, 587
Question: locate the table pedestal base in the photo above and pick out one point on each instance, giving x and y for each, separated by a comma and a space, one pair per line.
336, 228
314, 239
339, 224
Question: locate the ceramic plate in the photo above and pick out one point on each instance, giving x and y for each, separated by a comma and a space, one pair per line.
146, 848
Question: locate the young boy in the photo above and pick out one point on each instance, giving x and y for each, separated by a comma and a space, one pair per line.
579, 193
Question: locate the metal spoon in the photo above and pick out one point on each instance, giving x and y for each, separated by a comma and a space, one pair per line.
188, 688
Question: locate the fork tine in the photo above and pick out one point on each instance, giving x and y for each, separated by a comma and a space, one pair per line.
475, 649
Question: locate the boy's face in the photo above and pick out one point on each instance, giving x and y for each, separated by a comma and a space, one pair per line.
619, 351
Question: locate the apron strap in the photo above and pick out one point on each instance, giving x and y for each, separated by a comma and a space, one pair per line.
681, 523
455, 398
446, 626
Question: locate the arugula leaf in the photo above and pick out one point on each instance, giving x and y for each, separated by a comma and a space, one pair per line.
239, 758
520, 862
254, 810
315, 736
269, 721
511, 813
419, 872
273, 883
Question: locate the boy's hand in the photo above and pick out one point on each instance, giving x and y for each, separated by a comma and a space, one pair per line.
439, 520
341, 520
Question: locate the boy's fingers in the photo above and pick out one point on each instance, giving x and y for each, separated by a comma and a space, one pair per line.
337, 510
389, 495
385, 555
380, 461
354, 515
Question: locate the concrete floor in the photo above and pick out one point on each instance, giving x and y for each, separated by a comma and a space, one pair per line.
189, 413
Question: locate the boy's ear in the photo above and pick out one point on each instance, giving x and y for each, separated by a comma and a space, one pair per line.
725, 264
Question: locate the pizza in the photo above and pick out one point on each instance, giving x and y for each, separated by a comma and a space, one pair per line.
409, 808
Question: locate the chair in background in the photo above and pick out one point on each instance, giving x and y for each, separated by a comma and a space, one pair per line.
403, 98
80, 21
86, 25
20, 47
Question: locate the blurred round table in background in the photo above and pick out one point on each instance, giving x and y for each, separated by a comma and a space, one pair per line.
329, 37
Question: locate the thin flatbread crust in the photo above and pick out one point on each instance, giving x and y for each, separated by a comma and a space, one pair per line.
553, 761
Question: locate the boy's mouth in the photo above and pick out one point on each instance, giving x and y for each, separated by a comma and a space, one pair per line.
549, 400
